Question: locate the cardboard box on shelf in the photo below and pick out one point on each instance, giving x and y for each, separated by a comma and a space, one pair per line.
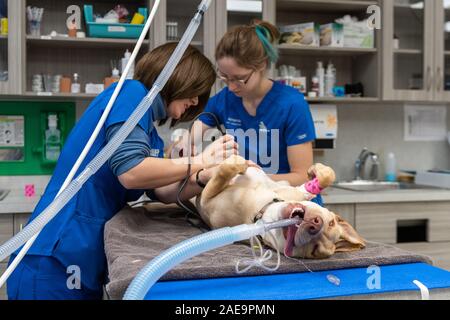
331, 35
305, 34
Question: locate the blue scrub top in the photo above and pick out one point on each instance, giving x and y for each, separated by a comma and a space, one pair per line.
75, 235
283, 114
282, 119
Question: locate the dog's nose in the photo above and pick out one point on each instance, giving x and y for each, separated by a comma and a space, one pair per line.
315, 226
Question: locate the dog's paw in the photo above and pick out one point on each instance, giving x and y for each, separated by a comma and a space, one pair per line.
324, 174
235, 164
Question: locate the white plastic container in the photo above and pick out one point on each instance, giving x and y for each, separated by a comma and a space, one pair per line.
391, 167
330, 80
320, 73
76, 86
125, 60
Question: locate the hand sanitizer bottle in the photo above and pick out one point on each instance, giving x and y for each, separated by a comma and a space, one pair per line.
52, 139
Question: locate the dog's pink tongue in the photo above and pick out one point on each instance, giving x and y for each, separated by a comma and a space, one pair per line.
290, 241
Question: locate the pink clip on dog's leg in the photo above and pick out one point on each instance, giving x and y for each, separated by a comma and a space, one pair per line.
313, 186
311, 189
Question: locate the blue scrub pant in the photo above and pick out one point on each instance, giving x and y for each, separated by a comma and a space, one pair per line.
44, 278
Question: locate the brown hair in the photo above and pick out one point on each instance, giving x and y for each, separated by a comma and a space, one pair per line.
193, 77
243, 44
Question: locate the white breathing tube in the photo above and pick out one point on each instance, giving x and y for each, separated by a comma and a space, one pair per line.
192, 247
66, 194
90, 142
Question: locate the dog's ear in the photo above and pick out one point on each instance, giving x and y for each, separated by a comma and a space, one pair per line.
349, 239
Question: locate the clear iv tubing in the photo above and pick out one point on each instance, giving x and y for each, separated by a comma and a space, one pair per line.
64, 197
90, 142
192, 247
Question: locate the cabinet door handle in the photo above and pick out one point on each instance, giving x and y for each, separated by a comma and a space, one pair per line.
429, 79
439, 79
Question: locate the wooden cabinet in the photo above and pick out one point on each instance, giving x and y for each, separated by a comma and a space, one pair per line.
6, 233
346, 211
416, 59
11, 50
442, 50
422, 227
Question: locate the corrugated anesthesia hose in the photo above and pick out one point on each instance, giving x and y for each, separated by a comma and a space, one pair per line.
65, 196
192, 247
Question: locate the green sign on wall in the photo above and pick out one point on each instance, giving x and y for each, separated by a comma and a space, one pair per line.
22, 135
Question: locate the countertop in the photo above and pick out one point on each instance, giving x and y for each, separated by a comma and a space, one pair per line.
16, 202
340, 196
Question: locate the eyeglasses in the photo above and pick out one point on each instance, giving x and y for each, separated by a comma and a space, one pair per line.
239, 82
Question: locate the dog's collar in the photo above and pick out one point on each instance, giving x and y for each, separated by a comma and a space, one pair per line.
261, 212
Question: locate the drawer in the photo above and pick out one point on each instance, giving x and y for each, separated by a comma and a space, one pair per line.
439, 252
379, 222
346, 211
20, 221
6, 227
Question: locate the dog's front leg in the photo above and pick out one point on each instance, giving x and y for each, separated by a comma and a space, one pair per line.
321, 177
224, 174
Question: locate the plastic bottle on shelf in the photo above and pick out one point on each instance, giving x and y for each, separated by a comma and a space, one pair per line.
320, 73
391, 167
52, 139
125, 60
76, 85
330, 80
315, 86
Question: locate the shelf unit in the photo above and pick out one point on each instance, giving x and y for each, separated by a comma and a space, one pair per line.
89, 57
353, 65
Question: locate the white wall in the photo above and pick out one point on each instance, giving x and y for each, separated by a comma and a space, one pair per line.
380, 128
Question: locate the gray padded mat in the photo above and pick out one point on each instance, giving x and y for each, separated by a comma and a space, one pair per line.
135, 236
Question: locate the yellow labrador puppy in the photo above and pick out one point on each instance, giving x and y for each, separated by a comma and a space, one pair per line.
239, 194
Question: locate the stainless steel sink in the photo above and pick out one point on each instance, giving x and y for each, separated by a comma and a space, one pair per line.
365, 185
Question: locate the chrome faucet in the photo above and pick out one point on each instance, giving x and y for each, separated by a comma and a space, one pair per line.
361, 162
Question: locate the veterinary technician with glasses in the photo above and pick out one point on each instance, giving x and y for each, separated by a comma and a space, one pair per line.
253, 107
68, 261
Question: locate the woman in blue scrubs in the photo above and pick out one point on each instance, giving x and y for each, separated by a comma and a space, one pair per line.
67, 261
272, 122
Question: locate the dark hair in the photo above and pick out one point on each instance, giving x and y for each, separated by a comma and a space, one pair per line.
193, 77
252, 46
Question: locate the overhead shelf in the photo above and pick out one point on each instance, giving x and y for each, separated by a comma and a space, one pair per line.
81, 42
333, 51
324, 6
70, 96
408, 51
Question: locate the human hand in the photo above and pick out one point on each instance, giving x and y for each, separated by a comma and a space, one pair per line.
218, 151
